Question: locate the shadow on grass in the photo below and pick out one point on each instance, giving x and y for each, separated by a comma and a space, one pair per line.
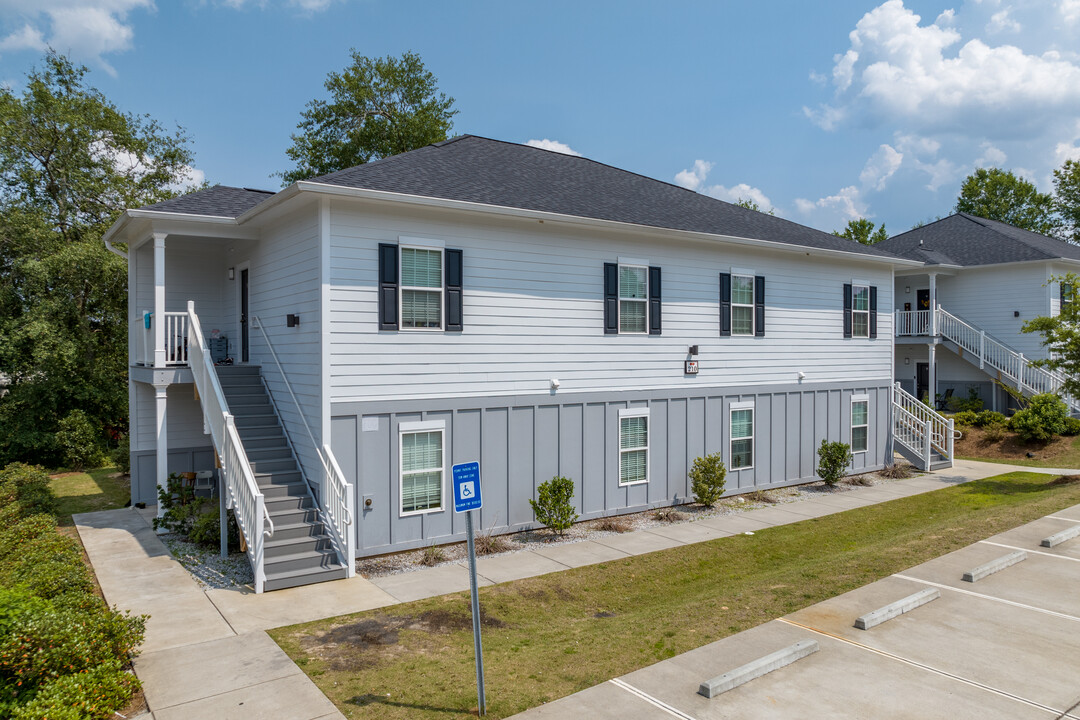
991, 486
368, 700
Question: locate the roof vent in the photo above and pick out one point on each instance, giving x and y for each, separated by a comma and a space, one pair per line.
920, 242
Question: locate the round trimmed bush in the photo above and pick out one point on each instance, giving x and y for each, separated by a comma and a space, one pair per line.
1041, 420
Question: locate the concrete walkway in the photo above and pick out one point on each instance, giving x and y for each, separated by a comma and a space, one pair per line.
207, 654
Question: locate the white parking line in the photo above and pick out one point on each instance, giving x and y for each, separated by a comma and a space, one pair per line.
928, 668
1058, 517
674, 712
990, 597
1037, 552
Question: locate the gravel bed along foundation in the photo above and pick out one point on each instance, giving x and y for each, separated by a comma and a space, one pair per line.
206, 565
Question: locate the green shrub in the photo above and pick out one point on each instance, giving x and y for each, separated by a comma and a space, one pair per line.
995, 432
48, 566
79, 441
181, 506
206, 528
1041, 420
15, 536
1072, 426
93, 693
552, 506
27, 487
965, 418
833, 460
707, 479
121, 455
972, 403
990, 417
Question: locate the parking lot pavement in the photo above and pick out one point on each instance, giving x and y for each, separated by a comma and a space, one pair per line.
1007, 646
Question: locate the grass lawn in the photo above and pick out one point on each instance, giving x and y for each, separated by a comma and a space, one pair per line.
77, 492
550, 636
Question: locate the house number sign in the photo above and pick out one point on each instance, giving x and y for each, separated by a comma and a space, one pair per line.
690, 367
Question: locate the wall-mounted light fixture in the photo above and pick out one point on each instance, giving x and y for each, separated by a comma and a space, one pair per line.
693, 350
554, 383
907, 361
801, 375
1016, 313
232, 273
292, 320
907, 289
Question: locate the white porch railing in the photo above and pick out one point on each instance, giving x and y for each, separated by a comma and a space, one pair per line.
336, 502
176, 339
912, 322
921, 429
242, 493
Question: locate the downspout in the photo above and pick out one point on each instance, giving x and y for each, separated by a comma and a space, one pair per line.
112, 248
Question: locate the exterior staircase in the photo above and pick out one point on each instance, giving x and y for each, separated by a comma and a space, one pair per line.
920, 434
300, 551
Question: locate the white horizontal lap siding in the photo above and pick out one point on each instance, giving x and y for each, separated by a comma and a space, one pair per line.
534, 311
283, 280
988, 297
197, 272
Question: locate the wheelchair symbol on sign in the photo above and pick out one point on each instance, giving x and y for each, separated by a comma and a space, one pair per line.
466, 490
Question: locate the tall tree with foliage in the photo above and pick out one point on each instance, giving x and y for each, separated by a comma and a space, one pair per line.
997, 194
70, 163
1061, 334
378, 107
1067, 198
750, 204
862, 231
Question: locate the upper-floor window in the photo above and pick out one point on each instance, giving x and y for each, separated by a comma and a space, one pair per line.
742, 304
420, 287
632, 302
860, 310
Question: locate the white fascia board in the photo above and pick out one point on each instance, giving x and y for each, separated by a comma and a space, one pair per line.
381, 195
954, 269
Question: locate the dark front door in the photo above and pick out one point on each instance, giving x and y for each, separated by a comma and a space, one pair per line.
922, 379
923, 303
244, 315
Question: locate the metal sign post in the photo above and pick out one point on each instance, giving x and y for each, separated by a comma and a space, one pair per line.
466, 499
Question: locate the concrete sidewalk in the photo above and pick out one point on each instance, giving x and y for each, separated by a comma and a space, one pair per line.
207, 654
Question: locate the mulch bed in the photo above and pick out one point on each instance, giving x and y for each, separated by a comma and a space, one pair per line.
974, 443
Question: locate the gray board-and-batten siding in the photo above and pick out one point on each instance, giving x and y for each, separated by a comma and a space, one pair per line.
522, 441
181, 459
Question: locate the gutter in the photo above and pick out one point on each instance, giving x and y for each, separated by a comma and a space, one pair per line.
112, 248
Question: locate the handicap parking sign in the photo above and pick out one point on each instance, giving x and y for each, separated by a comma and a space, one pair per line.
467, 487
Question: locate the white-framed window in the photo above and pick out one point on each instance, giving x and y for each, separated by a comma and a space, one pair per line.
633, 446
421, 288
633, 299
742, 435
742, 304
422, 466
860, 311
860, 422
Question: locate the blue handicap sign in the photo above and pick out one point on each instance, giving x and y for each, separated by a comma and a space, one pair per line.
467, 487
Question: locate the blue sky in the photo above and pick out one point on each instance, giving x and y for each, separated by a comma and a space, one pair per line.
823, 110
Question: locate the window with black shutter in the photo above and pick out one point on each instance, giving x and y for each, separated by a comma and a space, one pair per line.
725, 304
420, 288
860, 311
632, 300
388, 286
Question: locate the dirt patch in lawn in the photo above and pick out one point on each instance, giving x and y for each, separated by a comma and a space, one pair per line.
976, 444
1066, 480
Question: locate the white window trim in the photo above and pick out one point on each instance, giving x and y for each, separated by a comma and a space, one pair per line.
857, 399
644, 301
441, 289
751, 305
632, 413
736, 406
408, 428
419, 242
854, 291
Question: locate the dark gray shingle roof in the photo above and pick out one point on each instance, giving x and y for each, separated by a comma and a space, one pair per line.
218, 201
967, 240
475, 169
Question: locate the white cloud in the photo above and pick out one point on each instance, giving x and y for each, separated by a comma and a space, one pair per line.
553, 146
86, 30
915, 144
826, 116
941, 172
694, 179
1070, 10
991, 156
1068, 150
1001, 22
191, 178
880, 167
846, 204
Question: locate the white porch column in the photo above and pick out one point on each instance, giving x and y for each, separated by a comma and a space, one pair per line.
159, 299
933, 309
932, 375
162, 446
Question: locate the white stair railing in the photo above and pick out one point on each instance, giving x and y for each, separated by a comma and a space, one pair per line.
920, 428
336, 503
242, 493
991, 352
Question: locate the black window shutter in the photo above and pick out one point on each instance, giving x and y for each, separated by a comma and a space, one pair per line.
759, 306
611, 298
873, 311
452, 283
388, 286
725, 304
654, 301
847, 310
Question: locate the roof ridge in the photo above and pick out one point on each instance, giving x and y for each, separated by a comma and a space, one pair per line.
983, 222
924, 225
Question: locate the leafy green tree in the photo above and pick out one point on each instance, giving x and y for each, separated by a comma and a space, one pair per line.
997, 194
1067, 198
1061, 335
862, 231
378, 107
70, 163
752, 205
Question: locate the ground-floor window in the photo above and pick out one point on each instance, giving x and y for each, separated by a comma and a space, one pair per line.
422, 466
633, 446
742, 435
860, 422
